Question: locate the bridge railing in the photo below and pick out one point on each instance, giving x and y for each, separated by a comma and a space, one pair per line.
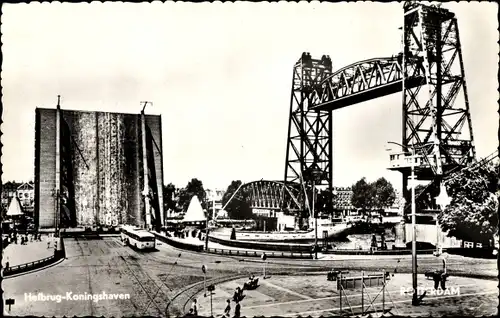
376, 252
26, 267
178, 244
253, 253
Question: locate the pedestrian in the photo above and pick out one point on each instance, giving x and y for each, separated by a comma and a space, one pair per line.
443, 281
227, 310
48, 243
236, 295
436, 276
194, 307
237, 310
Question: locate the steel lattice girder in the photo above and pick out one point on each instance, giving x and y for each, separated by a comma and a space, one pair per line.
430, 113
362, 81
309, 132
431, 74
272, 195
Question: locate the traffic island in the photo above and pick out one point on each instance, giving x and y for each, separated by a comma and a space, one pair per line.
316, 295
20, 259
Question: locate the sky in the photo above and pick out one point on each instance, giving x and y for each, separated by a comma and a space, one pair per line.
220, 76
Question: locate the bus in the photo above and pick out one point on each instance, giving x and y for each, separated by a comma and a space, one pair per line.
137, 237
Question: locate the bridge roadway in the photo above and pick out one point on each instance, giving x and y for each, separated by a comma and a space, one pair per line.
153, 279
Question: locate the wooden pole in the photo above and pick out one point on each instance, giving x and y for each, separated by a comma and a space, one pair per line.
383, 294
340, 293
362, 292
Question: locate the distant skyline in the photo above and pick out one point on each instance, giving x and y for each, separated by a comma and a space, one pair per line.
220, 76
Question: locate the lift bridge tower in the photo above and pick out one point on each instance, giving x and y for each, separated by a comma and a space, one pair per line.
436, 115
309, 145
436, 122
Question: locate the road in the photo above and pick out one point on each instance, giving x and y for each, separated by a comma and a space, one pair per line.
155, 280
314, 295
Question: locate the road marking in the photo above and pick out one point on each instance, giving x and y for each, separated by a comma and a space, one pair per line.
287, 290
395, 302
334, 297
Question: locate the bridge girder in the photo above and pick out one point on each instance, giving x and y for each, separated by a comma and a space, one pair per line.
364, 80
429, 72
271, 195
309, 142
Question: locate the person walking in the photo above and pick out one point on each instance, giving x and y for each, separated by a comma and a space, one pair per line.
194, 307
237, 310
443, 280
436, 276
227, 310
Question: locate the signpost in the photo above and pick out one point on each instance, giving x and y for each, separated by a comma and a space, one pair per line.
204, 270
443, 200
10, 302
211, 288
264, 257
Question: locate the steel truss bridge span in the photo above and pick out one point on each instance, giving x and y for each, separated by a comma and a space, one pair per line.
436, 123
430, 73
363, 81
271, 195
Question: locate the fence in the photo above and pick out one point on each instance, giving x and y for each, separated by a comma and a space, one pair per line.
298, 255
376, 252
363, 282
26, 267
181, 245
267, 246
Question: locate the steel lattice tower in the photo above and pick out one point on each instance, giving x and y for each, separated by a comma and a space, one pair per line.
436, 116
309, 144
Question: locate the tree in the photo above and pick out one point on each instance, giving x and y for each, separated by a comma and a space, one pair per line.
169, 200
375, 195
424, 196
238, 208
384, 193
473, 211
194, 187
363, 195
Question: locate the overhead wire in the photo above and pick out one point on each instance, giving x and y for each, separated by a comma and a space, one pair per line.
453, 175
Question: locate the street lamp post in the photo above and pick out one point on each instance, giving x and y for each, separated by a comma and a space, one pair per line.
315, 175
414, 231
315, 223
413, 226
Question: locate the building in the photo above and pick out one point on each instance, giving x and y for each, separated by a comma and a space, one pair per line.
26, 195
97, 169
195, 216
342, 201
9, 191
215, 196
